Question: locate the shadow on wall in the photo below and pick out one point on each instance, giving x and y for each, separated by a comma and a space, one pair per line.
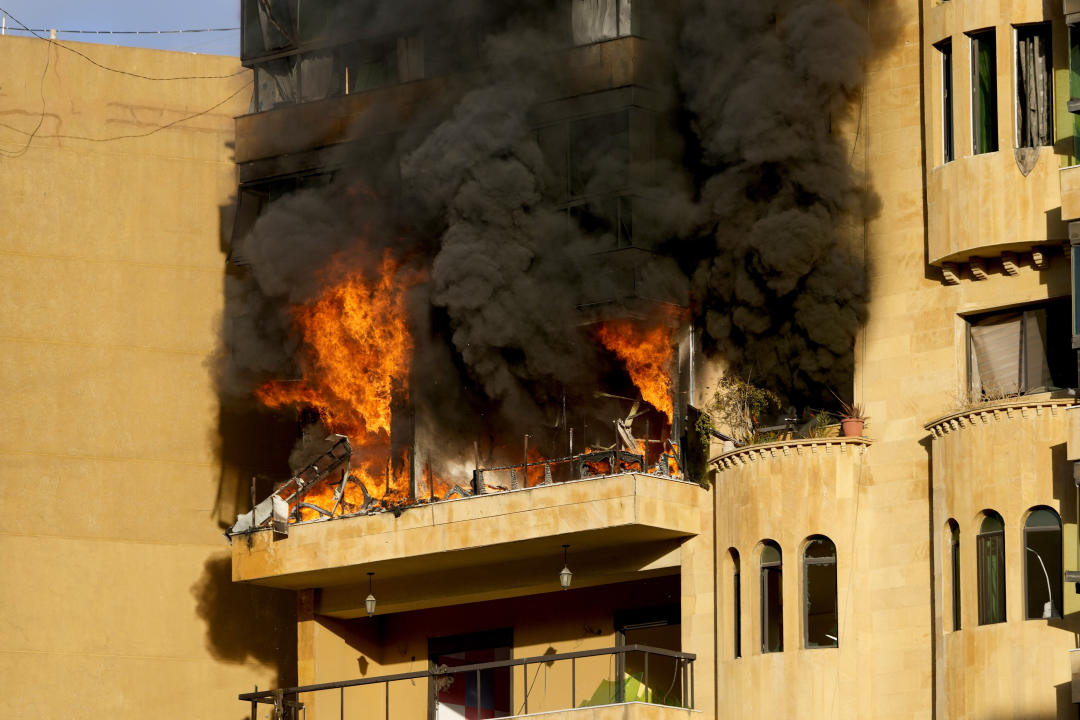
247, 623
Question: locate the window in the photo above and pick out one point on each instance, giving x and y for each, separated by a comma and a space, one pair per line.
1042, 565
1034, 87
772, 598
983, 92
1074, 88
1025, 350
990, 551
819, 575
954, 561
471, 695
947, 152
596, 20
736, 603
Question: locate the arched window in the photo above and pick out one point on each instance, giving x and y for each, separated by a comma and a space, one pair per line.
954, 563
736, 603
819, 578
990, 554
1042, 564
772, 598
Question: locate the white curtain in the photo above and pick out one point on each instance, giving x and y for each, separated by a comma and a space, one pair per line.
596, 20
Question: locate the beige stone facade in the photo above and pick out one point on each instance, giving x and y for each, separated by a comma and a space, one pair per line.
116, 596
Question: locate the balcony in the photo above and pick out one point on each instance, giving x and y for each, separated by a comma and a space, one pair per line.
481, 547
964, 223
625, 683
620, 63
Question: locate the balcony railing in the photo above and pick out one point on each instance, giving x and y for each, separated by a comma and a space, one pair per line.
630, 683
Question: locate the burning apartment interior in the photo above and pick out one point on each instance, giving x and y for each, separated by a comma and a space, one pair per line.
497, 275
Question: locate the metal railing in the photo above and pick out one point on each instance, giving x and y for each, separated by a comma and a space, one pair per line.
287, 703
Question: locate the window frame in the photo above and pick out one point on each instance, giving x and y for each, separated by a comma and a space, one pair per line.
954, 567
736, 603
765, 568
976, 40
947, 77
983, 543
1047, 27
1056, 599
807, 562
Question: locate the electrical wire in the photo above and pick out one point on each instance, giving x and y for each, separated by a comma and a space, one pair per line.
123, 32
11, 155
166, 126
94, 62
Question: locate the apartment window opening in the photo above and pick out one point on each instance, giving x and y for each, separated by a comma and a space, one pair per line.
736, 604
660, 678
948, 153
821, 618
990, 555
954, 558
772, 598
1042, 565
1021, 351
1034, 86
458, 696
984, 92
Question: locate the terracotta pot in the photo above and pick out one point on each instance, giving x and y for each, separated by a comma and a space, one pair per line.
852, 427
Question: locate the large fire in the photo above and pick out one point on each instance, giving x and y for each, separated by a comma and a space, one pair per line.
355, 360
646, 353
356, 357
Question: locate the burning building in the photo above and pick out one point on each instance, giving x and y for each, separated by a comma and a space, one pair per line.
498, 265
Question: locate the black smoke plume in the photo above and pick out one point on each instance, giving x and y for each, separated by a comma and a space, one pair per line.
755, 216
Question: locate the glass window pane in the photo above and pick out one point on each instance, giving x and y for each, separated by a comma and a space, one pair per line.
821, 615
821, 548
772, 610
991, 559
770, 554
992, 523
1043, 518
1042, 566
984, 91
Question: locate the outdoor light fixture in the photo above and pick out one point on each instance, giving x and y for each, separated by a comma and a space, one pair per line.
565, 576
369, 602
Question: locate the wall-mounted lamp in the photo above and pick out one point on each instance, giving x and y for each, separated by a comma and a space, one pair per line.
369, 602
565, 576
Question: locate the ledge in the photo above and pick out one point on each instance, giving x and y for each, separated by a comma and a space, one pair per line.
784, 448
995, 412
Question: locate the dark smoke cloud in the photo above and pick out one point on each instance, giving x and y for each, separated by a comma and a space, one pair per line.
755, 217
780, 287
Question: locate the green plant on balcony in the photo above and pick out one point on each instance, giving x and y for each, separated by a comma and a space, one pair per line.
735, 407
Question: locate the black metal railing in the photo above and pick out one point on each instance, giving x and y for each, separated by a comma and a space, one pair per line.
631, 682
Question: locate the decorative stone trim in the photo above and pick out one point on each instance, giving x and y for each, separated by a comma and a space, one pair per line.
978, 267
1009, 264
1012, 261
1020, 408
786, 448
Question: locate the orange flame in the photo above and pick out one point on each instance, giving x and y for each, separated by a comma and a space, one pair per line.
357, 352
646, 352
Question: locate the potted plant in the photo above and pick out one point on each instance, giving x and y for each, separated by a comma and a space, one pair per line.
852, 419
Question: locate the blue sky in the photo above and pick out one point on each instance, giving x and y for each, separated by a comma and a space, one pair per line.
135, 15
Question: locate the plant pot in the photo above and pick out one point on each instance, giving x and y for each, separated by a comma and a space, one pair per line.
852, 427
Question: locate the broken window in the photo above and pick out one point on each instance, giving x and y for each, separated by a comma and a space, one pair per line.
984, 92
1021, 351
276, 83
954, 561
772, 598
819, 573
944, 49
990, 556
321, 75
736, 603
1034, 87
1042, 565
369, 65
596, 20
267, 26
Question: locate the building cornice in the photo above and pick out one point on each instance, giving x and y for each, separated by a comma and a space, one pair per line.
995, 412
785, 448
